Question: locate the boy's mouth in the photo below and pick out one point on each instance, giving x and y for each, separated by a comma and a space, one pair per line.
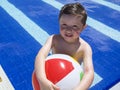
68, 35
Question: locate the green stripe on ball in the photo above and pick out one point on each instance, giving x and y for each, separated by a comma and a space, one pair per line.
81, 75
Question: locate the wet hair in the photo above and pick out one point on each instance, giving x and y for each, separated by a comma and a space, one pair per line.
74, 9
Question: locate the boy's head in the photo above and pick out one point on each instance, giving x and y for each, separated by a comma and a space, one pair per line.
74, 9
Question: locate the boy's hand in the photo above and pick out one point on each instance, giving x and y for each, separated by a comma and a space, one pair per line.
48, 85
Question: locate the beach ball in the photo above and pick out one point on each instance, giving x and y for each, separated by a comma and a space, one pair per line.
62, 70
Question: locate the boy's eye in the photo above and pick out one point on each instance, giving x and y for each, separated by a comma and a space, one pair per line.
63, 26
66, 27
75, 27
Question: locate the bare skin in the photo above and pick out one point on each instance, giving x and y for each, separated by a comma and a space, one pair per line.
67, 42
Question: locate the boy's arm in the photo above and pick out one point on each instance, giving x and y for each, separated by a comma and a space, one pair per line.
40, 60
45, 84
88, 70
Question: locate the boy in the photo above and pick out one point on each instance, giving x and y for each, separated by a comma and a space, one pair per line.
72, 20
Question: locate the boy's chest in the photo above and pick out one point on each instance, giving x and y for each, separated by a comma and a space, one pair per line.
65, 50
72, 50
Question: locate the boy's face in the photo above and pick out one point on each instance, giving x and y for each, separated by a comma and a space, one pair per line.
70, 27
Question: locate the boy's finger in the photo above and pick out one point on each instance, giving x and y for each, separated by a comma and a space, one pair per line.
56, 87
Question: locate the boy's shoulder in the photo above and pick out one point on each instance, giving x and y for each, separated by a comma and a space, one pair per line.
56, 36
85, 45
82, 41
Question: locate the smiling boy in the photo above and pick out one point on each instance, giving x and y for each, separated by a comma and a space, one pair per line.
72, 20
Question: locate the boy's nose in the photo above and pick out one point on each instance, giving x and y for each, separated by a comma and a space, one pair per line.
69, 28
